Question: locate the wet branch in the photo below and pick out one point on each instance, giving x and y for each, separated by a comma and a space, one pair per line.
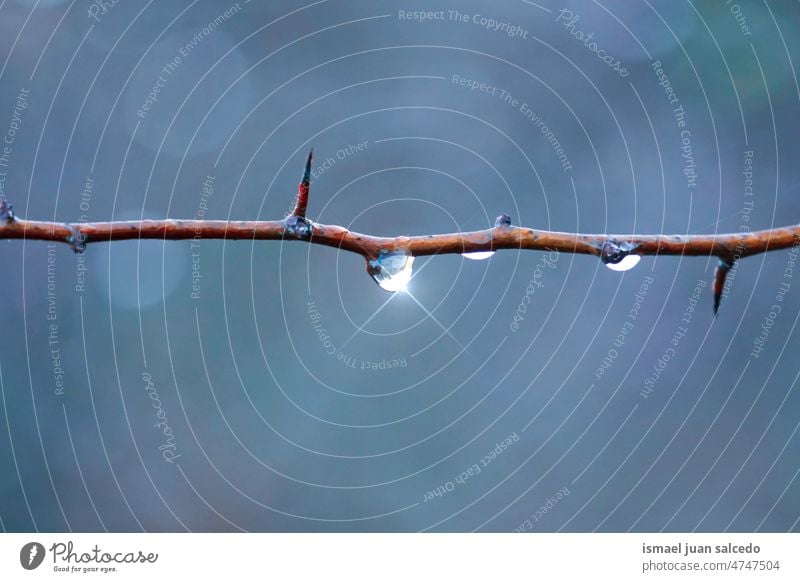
611, 249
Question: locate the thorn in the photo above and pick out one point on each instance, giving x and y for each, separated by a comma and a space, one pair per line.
6, 211
303, 188
307, 172
720, 274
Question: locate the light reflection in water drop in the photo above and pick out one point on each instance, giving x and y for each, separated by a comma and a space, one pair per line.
478, 255
619, 256
392, 271
626, 264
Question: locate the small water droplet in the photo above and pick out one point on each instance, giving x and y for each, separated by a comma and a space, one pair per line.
627, 263
618, 256
478, 255
298, 227
6, 211
392, 270
77, 241
502, 220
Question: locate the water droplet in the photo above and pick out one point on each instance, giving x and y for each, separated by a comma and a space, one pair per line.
627, 263
392, 270
6, 211
478, 255
298, 227
77, 241
502, 220
618, 256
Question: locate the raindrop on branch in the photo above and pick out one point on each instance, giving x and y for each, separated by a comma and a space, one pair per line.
618, 256
6, 211
478, 255
626, 264
502, 221
298, 227
392, 270
77, 241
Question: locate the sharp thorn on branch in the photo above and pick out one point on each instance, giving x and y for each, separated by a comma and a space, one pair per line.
720, 274
296, 224
303, 189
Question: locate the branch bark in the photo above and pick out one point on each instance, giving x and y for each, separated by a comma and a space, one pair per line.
611, 248
502, 237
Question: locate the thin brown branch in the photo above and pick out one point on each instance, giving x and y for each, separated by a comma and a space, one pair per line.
610, 248
500, 237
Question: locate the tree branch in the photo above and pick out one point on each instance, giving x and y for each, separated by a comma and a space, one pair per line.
610, 248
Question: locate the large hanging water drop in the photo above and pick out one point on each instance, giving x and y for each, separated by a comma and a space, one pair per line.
619, 256
392, 270
478, 255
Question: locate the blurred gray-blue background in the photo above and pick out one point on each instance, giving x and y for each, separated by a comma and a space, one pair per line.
225, 386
